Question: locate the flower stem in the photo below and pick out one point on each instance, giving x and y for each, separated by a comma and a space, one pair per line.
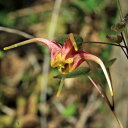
60, 87
104, 96
125, 45
107, 43
120, 124
119, 45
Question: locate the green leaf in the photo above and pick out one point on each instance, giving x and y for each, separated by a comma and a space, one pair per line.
87, 5
70, 110
1, 54
76, 73
62, 38
110, 62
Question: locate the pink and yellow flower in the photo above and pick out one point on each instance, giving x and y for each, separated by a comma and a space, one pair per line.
67, 57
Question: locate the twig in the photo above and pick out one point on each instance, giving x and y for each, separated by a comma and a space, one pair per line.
90, 108
107, 43
124, 52
119, 45
124, 42
120, 124
15, 31
54, 19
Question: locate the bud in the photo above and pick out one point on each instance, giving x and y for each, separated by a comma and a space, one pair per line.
125, 19
119, 27
114, 38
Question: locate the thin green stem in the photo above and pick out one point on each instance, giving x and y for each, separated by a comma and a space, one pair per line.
119, 45
60, 87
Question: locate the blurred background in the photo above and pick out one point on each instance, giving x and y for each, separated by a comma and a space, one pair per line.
27, 87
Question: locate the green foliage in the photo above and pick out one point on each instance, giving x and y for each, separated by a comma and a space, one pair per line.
31, 18
106, 53
62, 38
78, 72
1, 54
67, 15
110, 62
88, 5
6, 20
69, 110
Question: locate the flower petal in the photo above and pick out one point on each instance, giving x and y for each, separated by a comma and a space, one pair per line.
83, 56
99, 61
54, 47
68, 49
78, 58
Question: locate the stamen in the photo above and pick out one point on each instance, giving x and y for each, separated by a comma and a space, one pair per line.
71, 36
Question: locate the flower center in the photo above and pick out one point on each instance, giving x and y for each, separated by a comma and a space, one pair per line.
63, 65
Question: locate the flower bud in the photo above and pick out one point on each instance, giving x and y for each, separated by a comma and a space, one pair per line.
114, 38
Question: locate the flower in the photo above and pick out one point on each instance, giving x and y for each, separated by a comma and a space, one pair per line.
67, 57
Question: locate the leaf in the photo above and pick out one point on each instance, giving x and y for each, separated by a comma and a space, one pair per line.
110, 62
87, 5
70, 110
1, 54
76, 73
62, 38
